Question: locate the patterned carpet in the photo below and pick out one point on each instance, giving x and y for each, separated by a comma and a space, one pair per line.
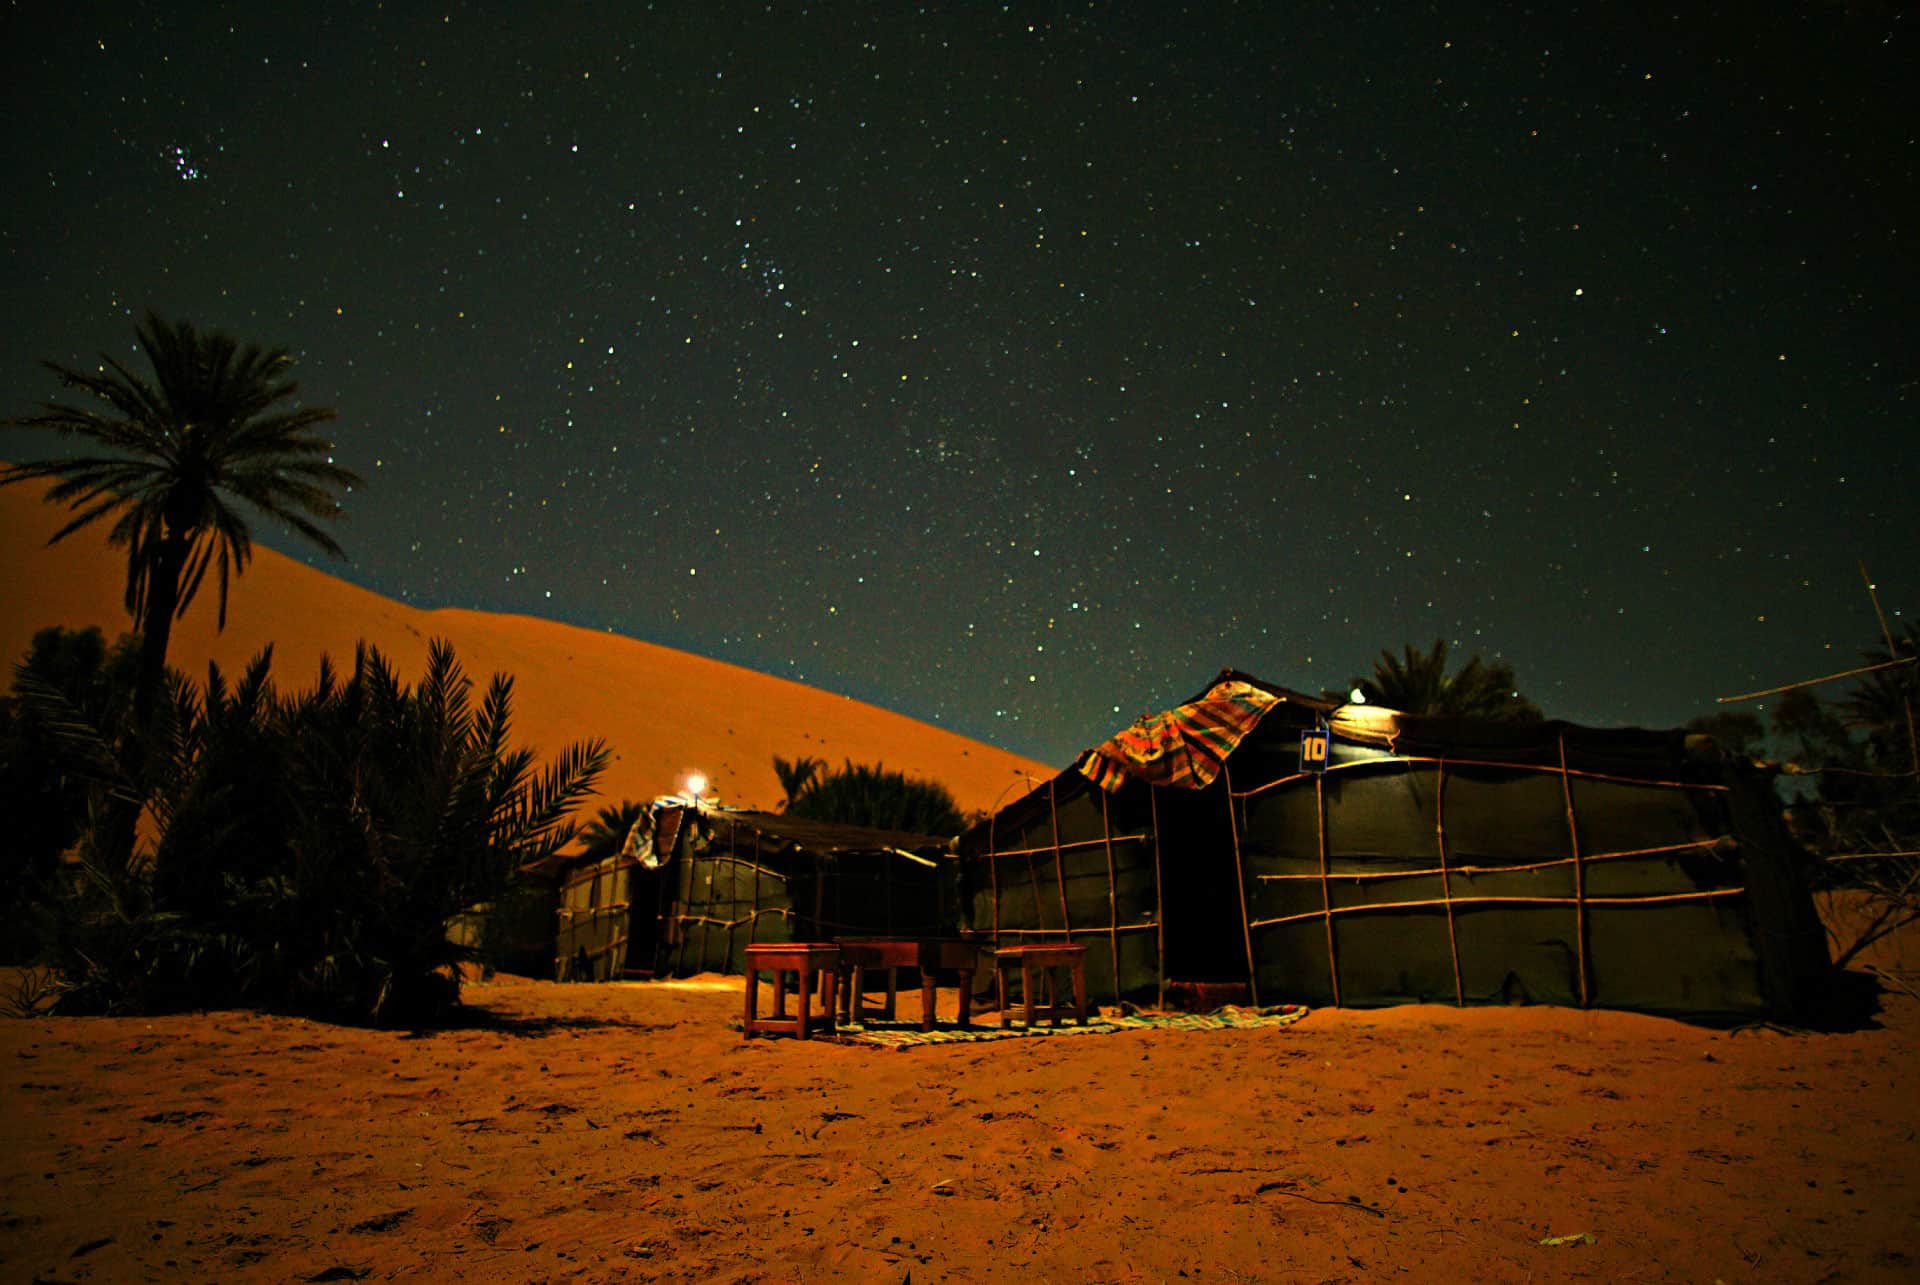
901, 1036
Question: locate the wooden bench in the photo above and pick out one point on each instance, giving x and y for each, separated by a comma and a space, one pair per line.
810, 961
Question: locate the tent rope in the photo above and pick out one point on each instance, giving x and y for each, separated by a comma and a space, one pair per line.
1429, 902
1589, 858
1446, 880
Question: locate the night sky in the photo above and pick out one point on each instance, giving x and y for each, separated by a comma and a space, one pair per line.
1017, 367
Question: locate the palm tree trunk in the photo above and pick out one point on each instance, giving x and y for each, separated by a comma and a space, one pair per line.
150, 681
156, 629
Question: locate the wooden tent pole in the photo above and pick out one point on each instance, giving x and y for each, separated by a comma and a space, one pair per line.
1913, 737
1579, 875
1159, 905
819, 889
1033, 881
733, 886
1240, 882
1403, 760
1658, 899
1326, 897
993, 870
682, 890
753, 932
662, 907
1446, 881
1059, 862
1113, 903
1588, 857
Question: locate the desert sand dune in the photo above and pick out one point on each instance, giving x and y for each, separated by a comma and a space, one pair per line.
664, 712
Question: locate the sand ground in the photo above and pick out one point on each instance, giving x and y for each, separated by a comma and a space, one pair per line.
626, 1132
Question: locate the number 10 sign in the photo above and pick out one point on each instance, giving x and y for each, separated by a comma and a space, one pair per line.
1313, 750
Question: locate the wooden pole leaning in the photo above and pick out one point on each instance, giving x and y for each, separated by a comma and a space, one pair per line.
1113, 892
993, 871
1240, 884
1059, 862
1159, 903
1446, 881
1579, 877
1326, 895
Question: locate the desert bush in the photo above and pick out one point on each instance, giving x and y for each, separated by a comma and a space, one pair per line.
1862, 814
43, 791
313, 851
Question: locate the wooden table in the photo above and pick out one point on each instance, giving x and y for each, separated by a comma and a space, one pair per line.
810, 960
930, 955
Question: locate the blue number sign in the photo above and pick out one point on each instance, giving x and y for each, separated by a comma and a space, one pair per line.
1313, 750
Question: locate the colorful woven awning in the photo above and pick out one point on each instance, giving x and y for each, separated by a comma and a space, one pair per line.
1186, 746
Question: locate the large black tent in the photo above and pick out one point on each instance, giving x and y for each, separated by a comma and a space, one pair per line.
697, 884
1422, 860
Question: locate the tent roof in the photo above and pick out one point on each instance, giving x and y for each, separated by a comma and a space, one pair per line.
1624, 750
787, 833
827, 836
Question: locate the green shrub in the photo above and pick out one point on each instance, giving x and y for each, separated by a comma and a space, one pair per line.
43, 791
314, 851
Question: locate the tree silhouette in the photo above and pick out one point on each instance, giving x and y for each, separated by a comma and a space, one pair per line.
873, 796
606, 834
44, 791
1417, 682
795, 777
1736, 731
210, 430
1885, 704
312, 851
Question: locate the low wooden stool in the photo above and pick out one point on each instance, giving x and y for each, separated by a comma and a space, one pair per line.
809, 960
1036, 965
861, 955
947, 954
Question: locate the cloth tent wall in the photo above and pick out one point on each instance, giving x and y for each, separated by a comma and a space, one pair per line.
1456, 862
1071, 863
1452, 877
740, 878
606, 923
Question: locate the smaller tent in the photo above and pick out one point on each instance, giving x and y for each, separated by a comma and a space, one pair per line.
696, 884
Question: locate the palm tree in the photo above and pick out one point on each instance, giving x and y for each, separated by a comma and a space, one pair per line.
1417, 683
873, 796
795, 777
1884, 704
211, 427
607, 833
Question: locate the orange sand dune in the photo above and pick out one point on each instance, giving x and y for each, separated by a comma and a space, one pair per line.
664, 712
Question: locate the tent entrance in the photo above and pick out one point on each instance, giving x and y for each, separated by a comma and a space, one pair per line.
1199, 889
647, 891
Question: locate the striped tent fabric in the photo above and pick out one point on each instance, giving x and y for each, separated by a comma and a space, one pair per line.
1185, 746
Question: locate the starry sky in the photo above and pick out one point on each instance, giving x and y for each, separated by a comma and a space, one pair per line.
1019, 366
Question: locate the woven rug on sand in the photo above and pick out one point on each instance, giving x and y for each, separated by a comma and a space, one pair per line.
902, 1036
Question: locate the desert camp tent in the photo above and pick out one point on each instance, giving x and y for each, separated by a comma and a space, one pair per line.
696, 884
1451, 861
